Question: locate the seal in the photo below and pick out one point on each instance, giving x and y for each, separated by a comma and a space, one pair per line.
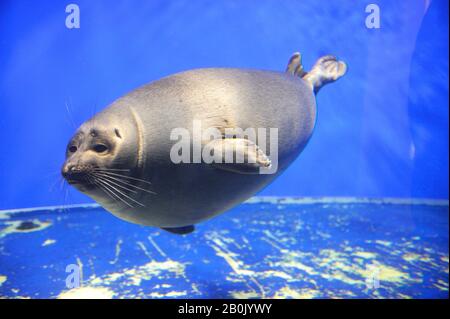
123, 157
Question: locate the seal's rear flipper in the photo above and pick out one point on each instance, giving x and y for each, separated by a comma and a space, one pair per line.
180, 230
295, 66
238, 155
326, 70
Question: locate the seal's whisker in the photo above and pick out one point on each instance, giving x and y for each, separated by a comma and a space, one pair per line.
110, 192
124, 176
113, 195
124, 182
120, 192
69, 115
115, 180
66, 195
115, 183
112, 169
53, 185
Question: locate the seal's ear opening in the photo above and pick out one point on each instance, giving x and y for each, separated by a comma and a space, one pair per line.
116, 130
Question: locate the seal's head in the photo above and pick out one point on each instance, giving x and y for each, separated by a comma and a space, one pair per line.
104, 145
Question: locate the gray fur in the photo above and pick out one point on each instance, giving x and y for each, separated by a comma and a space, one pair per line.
187, 194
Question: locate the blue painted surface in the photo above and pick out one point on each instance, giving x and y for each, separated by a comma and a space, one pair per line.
385, 123
268, 248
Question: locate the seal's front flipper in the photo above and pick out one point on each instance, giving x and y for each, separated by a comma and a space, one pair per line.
237, 155
326, 70
180, 230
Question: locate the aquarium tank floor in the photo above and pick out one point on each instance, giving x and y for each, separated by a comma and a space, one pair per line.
268, 247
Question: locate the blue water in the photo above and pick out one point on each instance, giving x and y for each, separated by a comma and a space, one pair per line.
382, 132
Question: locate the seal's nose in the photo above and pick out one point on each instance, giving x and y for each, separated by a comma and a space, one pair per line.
75, 172
67, 169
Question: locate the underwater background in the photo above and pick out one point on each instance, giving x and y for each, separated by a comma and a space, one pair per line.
370, 190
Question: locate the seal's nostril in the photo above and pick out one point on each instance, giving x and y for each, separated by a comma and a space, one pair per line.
67, 169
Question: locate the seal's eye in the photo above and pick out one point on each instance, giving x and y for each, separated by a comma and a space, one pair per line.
72, 149
100, 148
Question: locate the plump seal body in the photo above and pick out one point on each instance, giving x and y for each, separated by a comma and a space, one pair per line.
137, 180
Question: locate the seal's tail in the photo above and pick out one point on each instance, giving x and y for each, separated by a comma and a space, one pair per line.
326, 70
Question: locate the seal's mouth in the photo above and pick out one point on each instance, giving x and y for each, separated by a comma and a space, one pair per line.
117, 183
79, 180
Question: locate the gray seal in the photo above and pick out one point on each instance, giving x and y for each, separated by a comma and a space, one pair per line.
123, 156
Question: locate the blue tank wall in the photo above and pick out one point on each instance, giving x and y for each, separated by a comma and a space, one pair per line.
382, 130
